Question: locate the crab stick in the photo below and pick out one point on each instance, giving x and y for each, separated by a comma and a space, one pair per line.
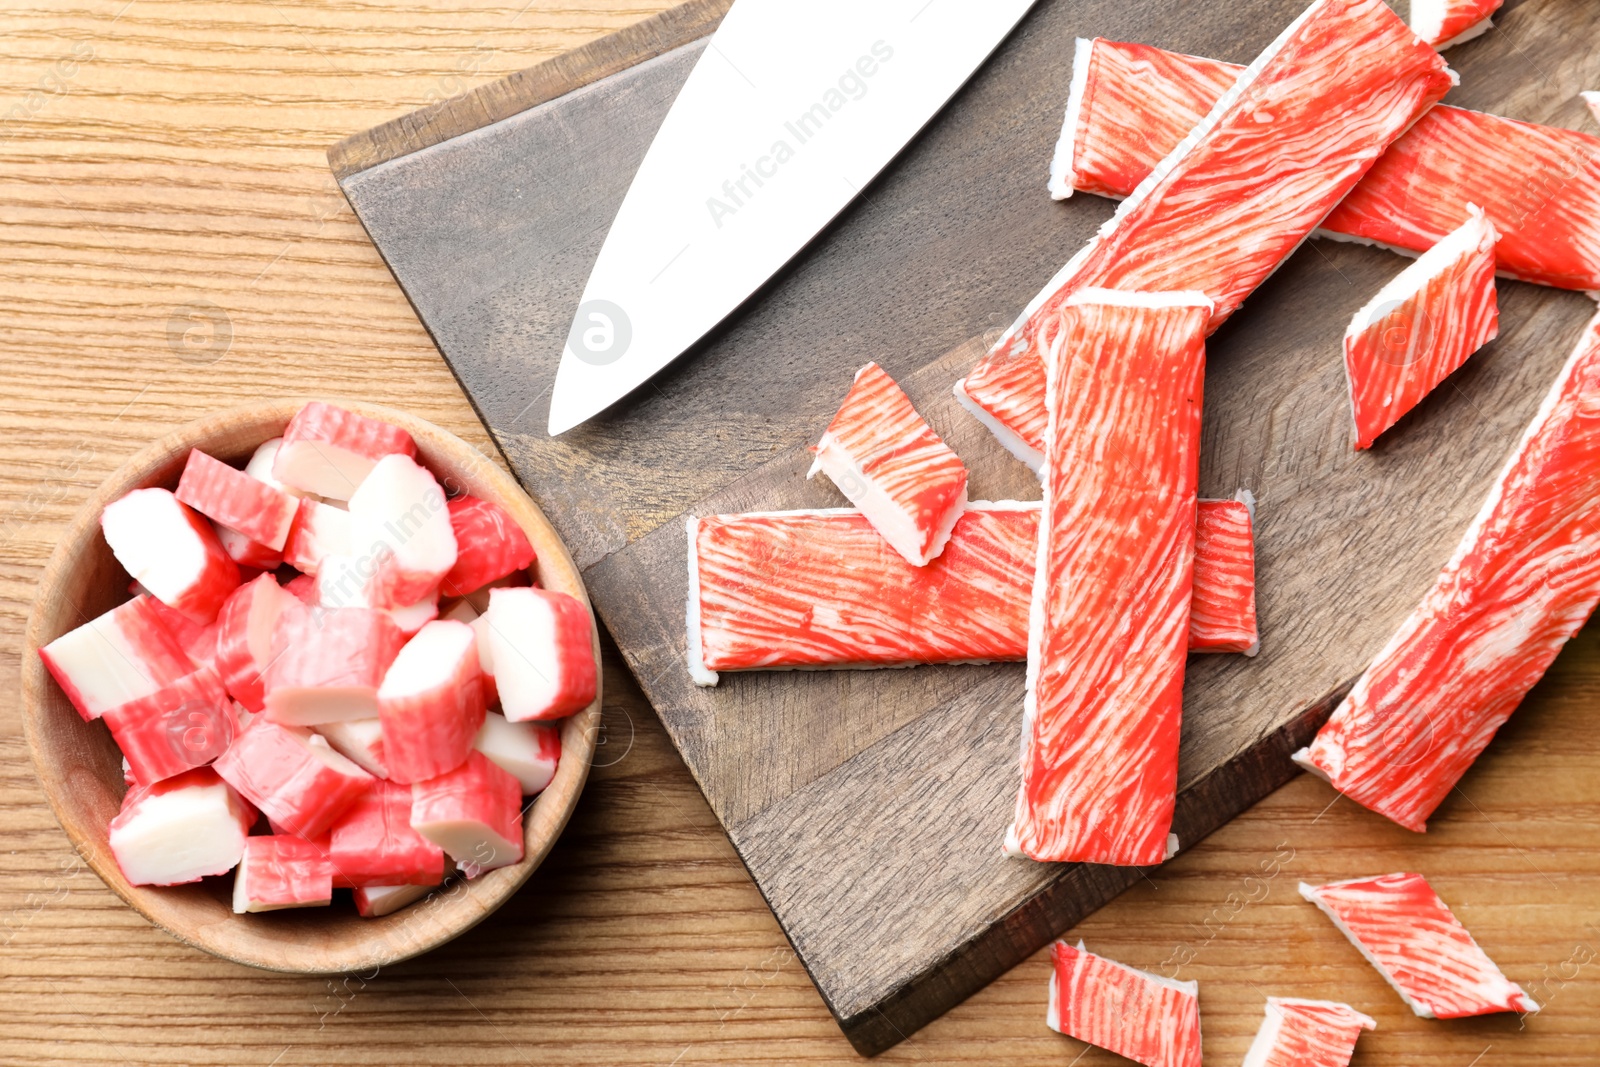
1237, 195
123, 655
244, 642
1144, 1017
1405, 931
889, 463
540, 647
1222, 611
180, 830
374, 844
319, 531
230, 497
293, 776
528, 751
1446, 23
1523, 580
169, 550
1306, 1033
327, 664
431, 703
282, 871
329, 451
180, 726
399, 518
489, 545
358, 740
473, 812
376, 901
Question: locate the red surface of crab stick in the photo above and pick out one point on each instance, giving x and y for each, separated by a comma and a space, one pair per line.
1238, 194
1445, 23
489, 545
889, 463
172, 552
1144, 1017
1222, 611
540, 649
120, 656
528, 751
244, 643
319, 532
373, 843
1522, 581
1404, 930
1109, 622
327, 664
474, 813
329, 451
1420, 327
1306, 1033
180, 830
293, 776
399, 518
182, 725
788, 589
282, 871
431, 702
1539, 185
230, 497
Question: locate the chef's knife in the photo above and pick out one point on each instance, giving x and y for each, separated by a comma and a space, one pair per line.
793, 107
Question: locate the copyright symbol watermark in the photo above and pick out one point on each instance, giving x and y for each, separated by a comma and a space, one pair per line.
601, 333
199, 333
1407, 333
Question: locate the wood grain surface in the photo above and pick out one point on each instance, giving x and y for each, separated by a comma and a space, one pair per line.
175, 244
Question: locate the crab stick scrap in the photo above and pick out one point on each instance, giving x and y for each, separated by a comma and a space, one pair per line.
1539, 185
813, 589
400, 524
1222, 611
1109, 622
329, 451
170, 551
358, 740
318, 532
889, 463
1144, 1017
1523, 580
1238, 194
431, 702
474, 813
1307, 1033
1404, 930
120, 656
1421, 326
541, 653
282, 871
244, 642
528, 751
230, 497
183, 725
376, 901
327, 664
1445, 23
489, 545
373, 843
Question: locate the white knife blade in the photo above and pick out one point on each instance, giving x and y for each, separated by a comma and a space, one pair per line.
793, 107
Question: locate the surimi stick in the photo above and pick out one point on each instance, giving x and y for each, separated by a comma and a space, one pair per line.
820, 589
1238, 194
180, 830
296, 780
1523, 580
232, 498
489, 545
329, 451
1306, 1033
282, 871
1446, 23
171, 551
1222, 611
1149, 1019
123, 655
1109, 622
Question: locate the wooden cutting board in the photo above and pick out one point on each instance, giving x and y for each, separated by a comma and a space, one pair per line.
869, 806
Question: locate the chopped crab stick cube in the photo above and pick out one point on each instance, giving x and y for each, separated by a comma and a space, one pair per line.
232, 498
1421, 326
1109, 622
345, 582
400, 522
376, 901
180, 830
358, 740
473, 812
431, 702
282, 871
299, 782
541, 648
1238, 194
1539, 185
1404, 930
244, 644
1306, 1033
801, 589
123, 655
1523, 580
881, 454
528, 751
373, 843
329, 451
328, 663
245, 552
259, 467
1445, 23
1222, 610
489, 545
319, 531
171, 551
180, 726
1144, 1017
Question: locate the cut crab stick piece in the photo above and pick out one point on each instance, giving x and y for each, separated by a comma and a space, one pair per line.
489, 545
245, 552
400, 521
180, 830
473, 812
282, 871
319, 531
801, 589
346, 582
376, 901
1307, 1033
889, 463
431, 702
123, 655
541, 648
329, 451
1109, 622
230, 497
300, 783
244, 642
491, 690
1523, 580
170, 551
374, 844
358, 740
1420, 327
1404, 930
327, 664
260, 464
199, 641
1446, 23
1237, 195
180, 726
1144, 1017
1222, 610
528, 751
1539, 185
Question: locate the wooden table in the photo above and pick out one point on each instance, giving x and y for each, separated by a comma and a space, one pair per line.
174, 244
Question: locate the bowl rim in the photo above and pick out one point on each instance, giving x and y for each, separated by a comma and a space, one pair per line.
473, 900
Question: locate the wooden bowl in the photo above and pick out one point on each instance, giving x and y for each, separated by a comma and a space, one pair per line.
81, 767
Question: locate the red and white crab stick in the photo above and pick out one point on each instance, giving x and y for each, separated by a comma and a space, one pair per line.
293, 776
170, 551
329, 451
373, 843
230, 497
1523, 580
244, 643
180, 830
122, 655
473, 812
1404, 930
1307, 1033
1237, 195
1144, 1017
1109, 623
327, 664
1222, 611
185, 724
1446, 23
282, 871
540, 646
431, 702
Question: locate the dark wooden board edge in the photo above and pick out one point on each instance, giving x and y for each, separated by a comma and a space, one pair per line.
516, 92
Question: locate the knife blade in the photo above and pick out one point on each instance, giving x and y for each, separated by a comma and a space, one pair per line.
791, 110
